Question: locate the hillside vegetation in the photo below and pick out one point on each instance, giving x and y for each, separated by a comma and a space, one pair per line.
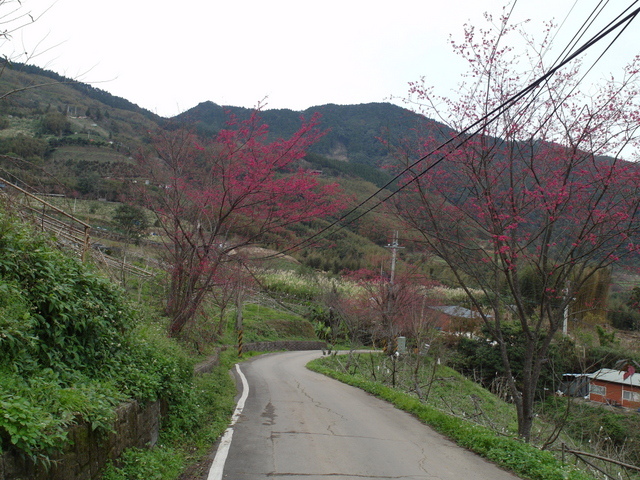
77, 344
72, 346
71, 139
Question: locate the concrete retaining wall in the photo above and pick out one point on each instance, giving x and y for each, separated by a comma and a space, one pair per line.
283, 345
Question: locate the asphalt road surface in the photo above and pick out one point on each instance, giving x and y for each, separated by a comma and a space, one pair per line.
297, 424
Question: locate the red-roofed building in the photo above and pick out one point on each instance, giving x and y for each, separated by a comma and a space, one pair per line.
615, 387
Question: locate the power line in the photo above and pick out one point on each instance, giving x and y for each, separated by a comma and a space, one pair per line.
578, 35
478, 125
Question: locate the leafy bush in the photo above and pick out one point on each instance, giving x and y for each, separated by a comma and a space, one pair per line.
205, 411
16, 324
592, 424
55, 123
23, 146
624, 310
479, 357
75, 319
36, 411
72, 348
608, 356
192, 427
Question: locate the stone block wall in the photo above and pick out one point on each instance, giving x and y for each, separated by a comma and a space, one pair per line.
88, 452
138, 426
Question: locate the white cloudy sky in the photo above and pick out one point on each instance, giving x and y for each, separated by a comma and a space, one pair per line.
168, 56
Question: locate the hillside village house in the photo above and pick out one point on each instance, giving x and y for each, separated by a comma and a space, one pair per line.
456, 319
615, 387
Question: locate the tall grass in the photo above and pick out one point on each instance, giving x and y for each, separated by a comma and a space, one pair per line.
306, 286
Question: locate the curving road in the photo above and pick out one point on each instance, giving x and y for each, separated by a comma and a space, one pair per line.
297, 424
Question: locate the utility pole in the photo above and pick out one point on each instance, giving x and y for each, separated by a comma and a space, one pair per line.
388, 314
565, 320
394, 246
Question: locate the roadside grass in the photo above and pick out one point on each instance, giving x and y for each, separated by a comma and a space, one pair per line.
434, 384
189, 432
505, 449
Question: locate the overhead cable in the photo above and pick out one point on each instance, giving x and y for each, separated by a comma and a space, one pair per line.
466, 134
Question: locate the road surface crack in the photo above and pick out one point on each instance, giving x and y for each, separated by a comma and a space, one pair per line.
320, 406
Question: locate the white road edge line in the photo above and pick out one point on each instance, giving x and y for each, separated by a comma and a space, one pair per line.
217, 467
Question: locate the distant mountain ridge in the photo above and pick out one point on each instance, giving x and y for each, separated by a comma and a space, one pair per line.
355, 133
90, 91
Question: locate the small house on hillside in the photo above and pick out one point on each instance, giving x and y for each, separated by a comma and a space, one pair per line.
458, 319
615, 387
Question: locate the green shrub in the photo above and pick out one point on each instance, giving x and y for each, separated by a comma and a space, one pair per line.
190, 430
16, 325
73, 318
24, 146
589, 423
72, 348
205, 408
149, 365
36, 411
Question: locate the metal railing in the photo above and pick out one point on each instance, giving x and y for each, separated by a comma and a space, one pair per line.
70, 231
581, 456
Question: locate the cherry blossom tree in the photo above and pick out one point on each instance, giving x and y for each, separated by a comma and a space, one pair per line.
212, 197
389, 309
234, 282
537, 190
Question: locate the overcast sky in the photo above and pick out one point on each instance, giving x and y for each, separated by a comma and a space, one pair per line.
168, 56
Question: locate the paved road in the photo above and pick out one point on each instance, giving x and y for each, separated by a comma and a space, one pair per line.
297, 424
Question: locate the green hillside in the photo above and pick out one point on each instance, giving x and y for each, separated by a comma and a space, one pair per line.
354, 133
67, 138
78, 344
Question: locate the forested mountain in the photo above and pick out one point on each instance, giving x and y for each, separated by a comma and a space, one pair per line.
64, 137
58, 136
82, 137
87, 90
354, 133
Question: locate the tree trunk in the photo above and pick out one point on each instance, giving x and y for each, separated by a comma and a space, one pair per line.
182, 302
